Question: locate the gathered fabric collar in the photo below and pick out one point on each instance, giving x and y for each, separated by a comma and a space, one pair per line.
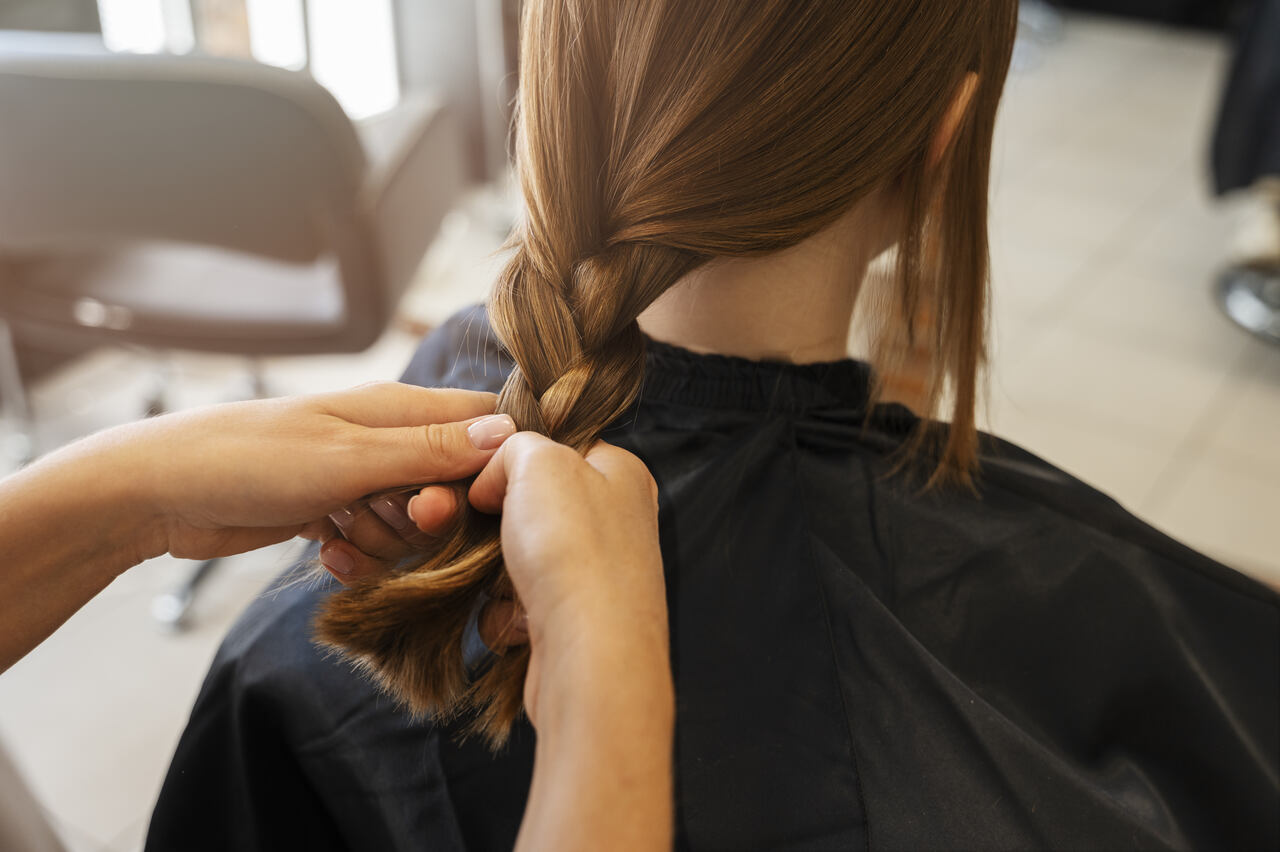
680, 376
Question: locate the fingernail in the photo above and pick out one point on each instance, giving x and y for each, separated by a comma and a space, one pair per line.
408, 508
343, 519
338, 562
488, 433
389, 510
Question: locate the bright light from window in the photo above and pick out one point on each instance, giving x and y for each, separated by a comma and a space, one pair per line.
146, 26
352, 44
353, 53
132, 25
275, 32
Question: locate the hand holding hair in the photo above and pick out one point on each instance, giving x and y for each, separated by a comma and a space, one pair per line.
213, 482
580, 544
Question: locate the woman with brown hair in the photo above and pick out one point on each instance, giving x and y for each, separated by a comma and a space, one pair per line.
885, 631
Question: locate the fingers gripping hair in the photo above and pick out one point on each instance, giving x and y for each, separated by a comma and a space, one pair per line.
579, 357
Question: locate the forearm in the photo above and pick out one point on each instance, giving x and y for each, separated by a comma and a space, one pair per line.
602, 776
70, 526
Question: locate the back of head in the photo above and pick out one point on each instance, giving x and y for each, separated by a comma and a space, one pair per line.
653, 136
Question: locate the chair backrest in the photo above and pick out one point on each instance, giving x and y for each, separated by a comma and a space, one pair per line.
115, 148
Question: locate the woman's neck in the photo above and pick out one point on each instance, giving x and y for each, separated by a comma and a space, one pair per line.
794, 305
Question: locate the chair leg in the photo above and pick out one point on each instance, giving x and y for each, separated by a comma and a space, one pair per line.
171, 609
1044, 21
257, 379
1249, 293
157, 402
14, 396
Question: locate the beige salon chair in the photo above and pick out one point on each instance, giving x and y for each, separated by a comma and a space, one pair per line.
188, 203
193, 203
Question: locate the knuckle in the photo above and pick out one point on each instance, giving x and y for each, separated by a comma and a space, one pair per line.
438, 439
543, 451
651, 487
522, 443
634, 468
639, 477
562, 454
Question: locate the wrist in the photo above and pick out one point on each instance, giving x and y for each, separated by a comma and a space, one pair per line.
590, 675
106, 490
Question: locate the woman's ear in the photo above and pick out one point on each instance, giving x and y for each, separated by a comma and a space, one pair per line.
947, 131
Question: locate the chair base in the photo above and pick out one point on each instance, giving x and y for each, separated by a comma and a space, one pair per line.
18, 447
171, 610
1250, 295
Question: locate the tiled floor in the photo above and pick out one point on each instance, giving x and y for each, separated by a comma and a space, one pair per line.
1111, 360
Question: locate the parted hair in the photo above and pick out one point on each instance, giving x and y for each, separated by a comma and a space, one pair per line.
651, 137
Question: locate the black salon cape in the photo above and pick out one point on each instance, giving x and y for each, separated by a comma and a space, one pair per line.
856, 666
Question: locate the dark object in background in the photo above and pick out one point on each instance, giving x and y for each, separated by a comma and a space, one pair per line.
1246, 153
72, 16
1209, 14
1246, 143
1249, 294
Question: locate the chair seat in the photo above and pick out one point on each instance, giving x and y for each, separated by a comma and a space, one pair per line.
185, 297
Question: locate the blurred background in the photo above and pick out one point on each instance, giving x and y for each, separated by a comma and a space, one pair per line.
205, 200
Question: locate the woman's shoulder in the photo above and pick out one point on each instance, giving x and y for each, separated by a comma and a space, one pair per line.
1025, 510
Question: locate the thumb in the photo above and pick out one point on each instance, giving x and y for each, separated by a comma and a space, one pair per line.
436, 452
489, 490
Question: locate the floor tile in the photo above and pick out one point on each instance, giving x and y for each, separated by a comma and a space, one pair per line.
1116, 385
1173, 315
131, 839
1116, 462
93, 714
1245, 432
1227, 513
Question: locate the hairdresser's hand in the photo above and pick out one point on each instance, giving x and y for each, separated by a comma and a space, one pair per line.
378, 534
579, 539
230, 478
580, 542
211, 482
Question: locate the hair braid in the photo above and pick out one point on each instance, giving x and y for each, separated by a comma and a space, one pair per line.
579, 357
577, 347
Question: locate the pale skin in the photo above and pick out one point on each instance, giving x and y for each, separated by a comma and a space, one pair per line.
795, 305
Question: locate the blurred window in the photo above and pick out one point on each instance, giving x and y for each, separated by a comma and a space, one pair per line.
347, 45
276, 33
353, 53
147, 26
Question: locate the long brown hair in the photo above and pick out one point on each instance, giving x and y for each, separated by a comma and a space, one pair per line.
652, 136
